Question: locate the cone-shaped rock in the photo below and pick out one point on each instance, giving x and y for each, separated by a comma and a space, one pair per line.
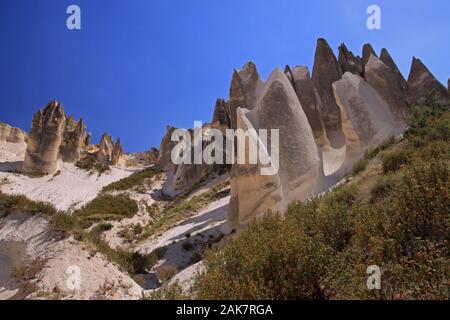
220, 116
44, 140
366, 118
105, 149
117, 152
326, 71
349, 62
366, 52
387, 60
244, 90
384, 81
251, 192
74, 139
300, 169
421, 82
309, 100
165, 151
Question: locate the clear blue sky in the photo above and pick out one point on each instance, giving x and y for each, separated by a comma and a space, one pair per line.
138, 65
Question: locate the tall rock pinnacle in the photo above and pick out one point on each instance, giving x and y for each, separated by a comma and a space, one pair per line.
326, 71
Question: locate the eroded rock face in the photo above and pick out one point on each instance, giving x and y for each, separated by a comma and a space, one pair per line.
244, 90
105, 149
300, 171
349, 62
385, 82
309, 100
421, 81
387, 60
326, 71
165, 151
366, 52
220, 116
12, 143
73, 144
45, 139
11, 134
366, 118
117, 152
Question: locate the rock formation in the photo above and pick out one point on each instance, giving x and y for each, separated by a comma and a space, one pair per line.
165, 150
366, 118
244, 90
421, 81
73, 144
349, 62
386, 83
387, 60
105, 149
309, 100
220, 116
300, 171
12, 142
45, 139
366, 52
117, 152
326, 71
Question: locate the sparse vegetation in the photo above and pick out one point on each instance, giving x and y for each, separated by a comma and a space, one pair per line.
166, 272
182, 208
90, 163
132, 181
359, 166
106, 208
322, 248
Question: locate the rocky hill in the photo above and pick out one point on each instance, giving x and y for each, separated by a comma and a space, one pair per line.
135, 223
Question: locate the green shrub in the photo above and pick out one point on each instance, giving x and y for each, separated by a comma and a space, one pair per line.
107, 207
393, 160
359, 166
133, 180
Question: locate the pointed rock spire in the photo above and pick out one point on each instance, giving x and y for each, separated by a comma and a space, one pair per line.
220, 116
387, 60
366, 52
105, 149
349, 62
73, 143
45, 139
244, 90
326, 71
385, 82
117, 152
421, 81
309, 100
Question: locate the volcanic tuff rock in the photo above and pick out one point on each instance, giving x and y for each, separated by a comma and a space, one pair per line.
12, 140
45, 139
309, 100
165, 150
387, 60
220, 116
366, 118
385, 82
117, 152
244, 90
105, 149
74, 140
349, 62
421, 81
366, 52
326, 71
300, 171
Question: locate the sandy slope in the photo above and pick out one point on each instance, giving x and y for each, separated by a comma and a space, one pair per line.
70, 189
98, 277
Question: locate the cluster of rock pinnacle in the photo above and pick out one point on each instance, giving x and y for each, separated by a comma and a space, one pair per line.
349, 105
54, 137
